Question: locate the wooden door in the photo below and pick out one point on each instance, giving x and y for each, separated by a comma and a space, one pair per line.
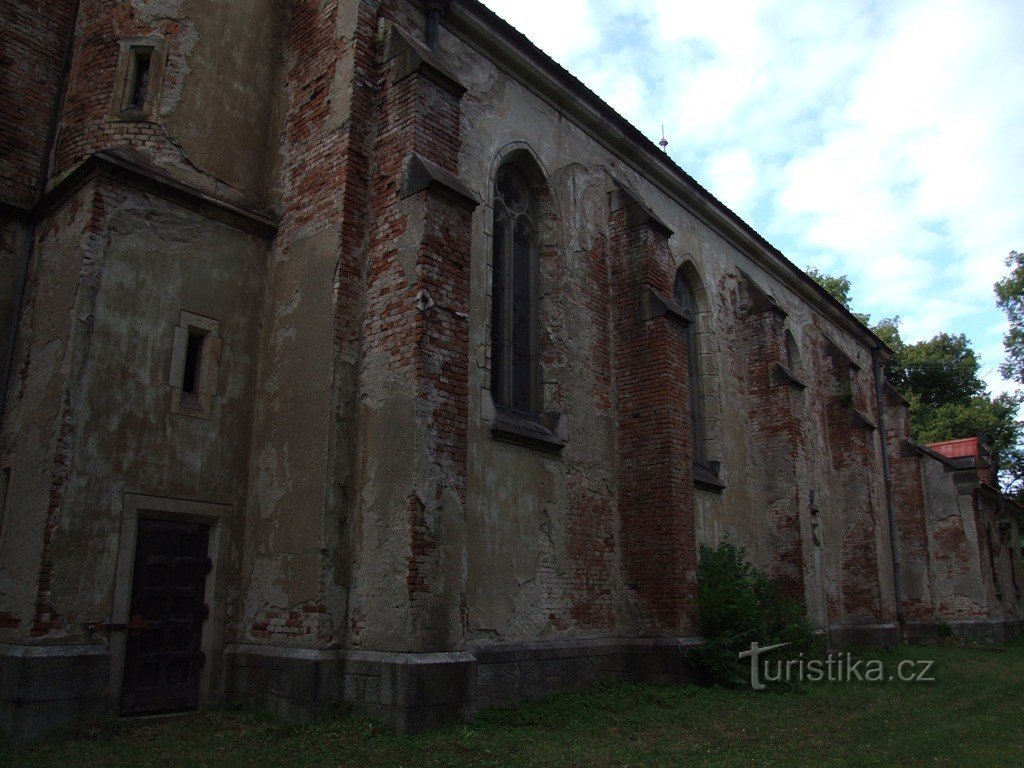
163, 654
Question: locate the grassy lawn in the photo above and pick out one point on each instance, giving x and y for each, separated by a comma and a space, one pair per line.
972, 715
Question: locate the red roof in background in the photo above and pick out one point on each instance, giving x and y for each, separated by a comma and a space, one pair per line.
957, 449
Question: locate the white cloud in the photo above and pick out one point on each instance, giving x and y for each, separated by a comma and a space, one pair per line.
882, 141
734, 175
560, 28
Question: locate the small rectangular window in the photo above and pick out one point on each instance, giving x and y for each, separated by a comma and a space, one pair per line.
195, 365
139, 81
193, 361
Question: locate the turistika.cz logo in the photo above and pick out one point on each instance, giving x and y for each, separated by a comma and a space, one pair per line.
834, 668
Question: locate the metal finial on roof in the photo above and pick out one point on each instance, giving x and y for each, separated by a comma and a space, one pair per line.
664, 142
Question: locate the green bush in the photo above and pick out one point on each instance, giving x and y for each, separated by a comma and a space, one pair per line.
737, 605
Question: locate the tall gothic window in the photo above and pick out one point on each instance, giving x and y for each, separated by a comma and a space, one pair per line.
682, 294
514, 295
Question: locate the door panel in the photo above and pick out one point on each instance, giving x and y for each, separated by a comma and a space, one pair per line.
163, 655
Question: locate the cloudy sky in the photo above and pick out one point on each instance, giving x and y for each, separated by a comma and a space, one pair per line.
882, 140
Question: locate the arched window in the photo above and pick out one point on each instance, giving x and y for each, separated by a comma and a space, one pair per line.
793, 361
682, 294
514, 293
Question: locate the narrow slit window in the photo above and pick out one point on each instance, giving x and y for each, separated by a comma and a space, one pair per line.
193, 361
138, 84
195, 365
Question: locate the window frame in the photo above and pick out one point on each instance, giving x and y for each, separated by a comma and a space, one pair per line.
685, 297
515, 300
198, 404
122, 106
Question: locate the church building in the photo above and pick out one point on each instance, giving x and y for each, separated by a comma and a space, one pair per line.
356, 352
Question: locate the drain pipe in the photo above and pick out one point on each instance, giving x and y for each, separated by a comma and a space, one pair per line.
435, 9
890, 505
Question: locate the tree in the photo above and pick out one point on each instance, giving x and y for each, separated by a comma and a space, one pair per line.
1010, 299
942, 370
839, 287
939, 378
948, 399
888, 330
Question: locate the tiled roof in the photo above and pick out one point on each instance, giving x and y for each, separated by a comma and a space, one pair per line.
957, 449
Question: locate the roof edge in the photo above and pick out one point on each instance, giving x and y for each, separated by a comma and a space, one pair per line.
500, 42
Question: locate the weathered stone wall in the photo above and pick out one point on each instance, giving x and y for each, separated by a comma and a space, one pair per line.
999, 548
521, 503
411, 550
960, 591
113, 270
382, 537
15, 233
916, 568
302, 516
214, 120
33, 40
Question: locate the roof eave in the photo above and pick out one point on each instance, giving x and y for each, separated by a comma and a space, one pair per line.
513, 52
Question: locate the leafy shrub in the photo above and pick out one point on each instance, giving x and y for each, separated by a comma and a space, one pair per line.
737, 605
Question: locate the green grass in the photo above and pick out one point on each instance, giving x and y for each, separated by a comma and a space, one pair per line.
972, 715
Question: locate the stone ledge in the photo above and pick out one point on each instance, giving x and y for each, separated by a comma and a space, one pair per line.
414, 57
413, 692
858, 420
409, 691
782, 376
760, 300
707, 477
653, 304
874, 635
638, 214
420, 174
840, 360
46, 688
989, 630
542, 431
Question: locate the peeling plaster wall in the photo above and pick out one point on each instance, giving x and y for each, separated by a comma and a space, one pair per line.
14, 237
114, 270
284, 538
214, 122
371, 509
958, 587
32, 423
338, 449
297, 571
999, 541
519, 506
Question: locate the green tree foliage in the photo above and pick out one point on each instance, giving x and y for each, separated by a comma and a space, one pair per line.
737, 605
948, 399
942, 370
839, 287
940, 379
888, 330
1010, 299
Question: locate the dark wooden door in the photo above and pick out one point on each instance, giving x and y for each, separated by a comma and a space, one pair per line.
163, 654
